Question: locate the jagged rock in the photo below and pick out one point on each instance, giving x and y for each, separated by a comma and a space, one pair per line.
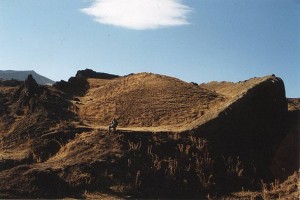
26, 95
74, 86
88, 73
78, 85
31, 86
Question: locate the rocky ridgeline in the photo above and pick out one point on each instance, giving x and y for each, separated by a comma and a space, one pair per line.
78, 85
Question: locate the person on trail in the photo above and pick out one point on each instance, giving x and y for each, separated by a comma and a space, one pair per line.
113, 125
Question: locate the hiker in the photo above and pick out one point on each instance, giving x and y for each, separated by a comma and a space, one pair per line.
113, 125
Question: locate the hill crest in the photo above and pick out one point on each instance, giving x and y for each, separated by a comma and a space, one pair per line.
146, 100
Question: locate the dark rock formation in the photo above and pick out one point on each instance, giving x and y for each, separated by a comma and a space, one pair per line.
31, 86
251, 128
27, 94
48, 101
88, 73
78, 85
287, 157
74, 86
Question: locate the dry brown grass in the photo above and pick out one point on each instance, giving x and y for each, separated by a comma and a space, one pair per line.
231, 89
288, 189
164, 160
145, 100
293, 104
85, 147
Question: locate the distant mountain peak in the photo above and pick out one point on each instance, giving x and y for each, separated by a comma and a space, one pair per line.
22, 75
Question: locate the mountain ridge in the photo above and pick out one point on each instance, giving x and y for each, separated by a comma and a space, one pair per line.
22, 75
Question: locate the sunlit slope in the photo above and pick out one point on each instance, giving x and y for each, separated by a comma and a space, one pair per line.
156, 102
146, 100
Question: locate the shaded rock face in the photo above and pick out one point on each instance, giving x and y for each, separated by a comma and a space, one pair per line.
74, 86
78, 85
286, 159
31, 84
88, 73
252, 127
27, 94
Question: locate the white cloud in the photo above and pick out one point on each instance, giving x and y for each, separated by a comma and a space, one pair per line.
139, 14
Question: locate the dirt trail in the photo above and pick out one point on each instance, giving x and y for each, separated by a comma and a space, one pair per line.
134, 129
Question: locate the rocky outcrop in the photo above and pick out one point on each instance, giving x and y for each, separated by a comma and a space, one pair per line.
79, 85
287, 158
251, 126
33, 109
74, 86
26, 95
88, 73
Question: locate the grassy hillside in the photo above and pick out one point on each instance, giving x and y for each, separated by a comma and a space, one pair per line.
174, 140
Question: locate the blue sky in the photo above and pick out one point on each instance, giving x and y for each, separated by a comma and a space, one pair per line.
194, 40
